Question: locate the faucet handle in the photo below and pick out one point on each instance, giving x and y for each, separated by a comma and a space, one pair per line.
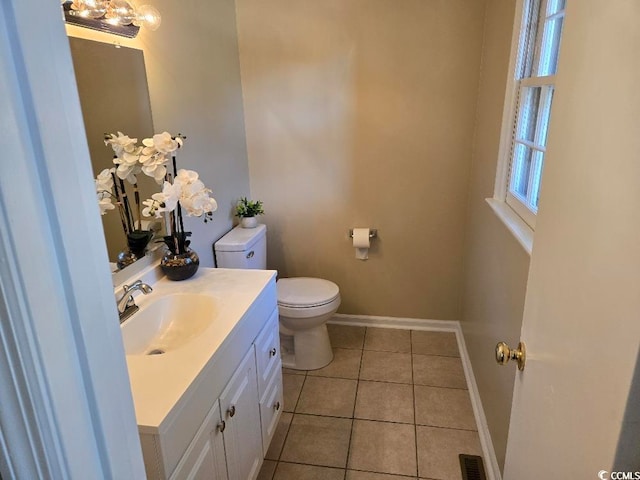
126, 288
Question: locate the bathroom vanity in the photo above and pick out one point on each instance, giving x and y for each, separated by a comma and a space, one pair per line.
205, 370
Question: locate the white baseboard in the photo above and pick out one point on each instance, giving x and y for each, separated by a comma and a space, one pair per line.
488, 453
395, 322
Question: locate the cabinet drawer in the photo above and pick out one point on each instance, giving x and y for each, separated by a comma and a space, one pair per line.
268, 351
271, 405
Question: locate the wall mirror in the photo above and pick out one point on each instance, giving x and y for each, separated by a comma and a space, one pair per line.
114, 96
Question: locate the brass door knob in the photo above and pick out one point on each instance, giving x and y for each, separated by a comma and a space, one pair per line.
504, 353
231, 411
221, 426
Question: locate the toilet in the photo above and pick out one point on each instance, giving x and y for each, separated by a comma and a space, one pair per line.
304, 304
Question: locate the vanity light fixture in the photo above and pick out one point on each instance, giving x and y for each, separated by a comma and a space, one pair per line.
119, 17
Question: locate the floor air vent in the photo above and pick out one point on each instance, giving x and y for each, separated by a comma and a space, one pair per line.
472, 467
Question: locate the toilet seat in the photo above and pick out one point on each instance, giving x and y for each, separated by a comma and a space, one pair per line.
306, 292
304, 297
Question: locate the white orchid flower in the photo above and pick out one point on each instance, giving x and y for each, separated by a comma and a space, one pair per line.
128, 165
152, 207
128, 172
212, 206
163, 143
104, 190
192, 188
104, 180
150, 153
170, 196
186, 176
158, 172
194, 197
132, 156
121, 143
198, 205
153, 163
188, 190
105, 203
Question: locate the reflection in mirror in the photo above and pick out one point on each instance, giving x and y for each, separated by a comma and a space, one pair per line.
112, 84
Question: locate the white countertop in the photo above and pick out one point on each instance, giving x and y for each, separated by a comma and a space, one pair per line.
159, 381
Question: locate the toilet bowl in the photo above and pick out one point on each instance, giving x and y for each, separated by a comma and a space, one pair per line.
304, 306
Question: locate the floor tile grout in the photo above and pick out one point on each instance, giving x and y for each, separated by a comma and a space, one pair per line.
437, 355
383, 421
431, 385
415, 420
355, 403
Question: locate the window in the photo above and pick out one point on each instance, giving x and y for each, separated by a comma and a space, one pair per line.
534, 69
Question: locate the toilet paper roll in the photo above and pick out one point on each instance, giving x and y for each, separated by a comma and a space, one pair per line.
361, 243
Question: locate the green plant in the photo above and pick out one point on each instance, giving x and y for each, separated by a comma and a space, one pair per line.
249, 208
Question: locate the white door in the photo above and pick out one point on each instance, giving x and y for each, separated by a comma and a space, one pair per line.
582, 313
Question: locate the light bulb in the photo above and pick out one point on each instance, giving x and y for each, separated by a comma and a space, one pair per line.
120, 12
89, 8
148, 17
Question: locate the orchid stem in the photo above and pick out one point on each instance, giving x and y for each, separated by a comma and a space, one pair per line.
175, 174
125, 202
136, 196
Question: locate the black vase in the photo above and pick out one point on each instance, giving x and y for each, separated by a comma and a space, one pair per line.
138, 240
180, 266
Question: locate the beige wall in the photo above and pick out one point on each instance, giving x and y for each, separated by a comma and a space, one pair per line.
496, 266
194, 83
361, 113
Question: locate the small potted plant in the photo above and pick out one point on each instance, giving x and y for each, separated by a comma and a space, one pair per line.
247, 210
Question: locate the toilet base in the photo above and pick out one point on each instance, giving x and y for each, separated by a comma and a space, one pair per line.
311, 349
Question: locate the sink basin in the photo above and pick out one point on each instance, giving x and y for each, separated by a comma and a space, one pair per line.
167, 323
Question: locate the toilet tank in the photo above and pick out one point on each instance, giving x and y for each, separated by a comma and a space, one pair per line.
243, 248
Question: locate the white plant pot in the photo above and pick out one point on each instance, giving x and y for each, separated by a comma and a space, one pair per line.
249, 222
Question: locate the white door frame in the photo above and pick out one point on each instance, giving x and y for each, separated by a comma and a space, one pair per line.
67, 410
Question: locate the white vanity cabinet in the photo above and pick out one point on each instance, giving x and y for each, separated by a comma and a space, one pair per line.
224, 422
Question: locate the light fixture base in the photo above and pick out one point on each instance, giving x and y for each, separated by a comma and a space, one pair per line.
99, 24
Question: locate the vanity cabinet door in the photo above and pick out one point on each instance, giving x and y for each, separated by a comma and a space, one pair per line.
268, 352
205, 457
240, 411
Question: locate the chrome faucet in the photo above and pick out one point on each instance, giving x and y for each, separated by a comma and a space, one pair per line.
126, 304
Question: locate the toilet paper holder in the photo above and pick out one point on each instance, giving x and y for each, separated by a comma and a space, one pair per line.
373, 233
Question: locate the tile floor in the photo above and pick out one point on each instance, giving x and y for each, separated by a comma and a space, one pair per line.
392, 405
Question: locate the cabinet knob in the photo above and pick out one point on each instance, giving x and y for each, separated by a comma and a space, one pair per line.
277, 406
221, 426
232, 411
273, 352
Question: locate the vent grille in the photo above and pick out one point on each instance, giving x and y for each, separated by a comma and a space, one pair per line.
472, 467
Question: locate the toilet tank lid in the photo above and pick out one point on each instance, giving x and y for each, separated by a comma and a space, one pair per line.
305, 291
240, 239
